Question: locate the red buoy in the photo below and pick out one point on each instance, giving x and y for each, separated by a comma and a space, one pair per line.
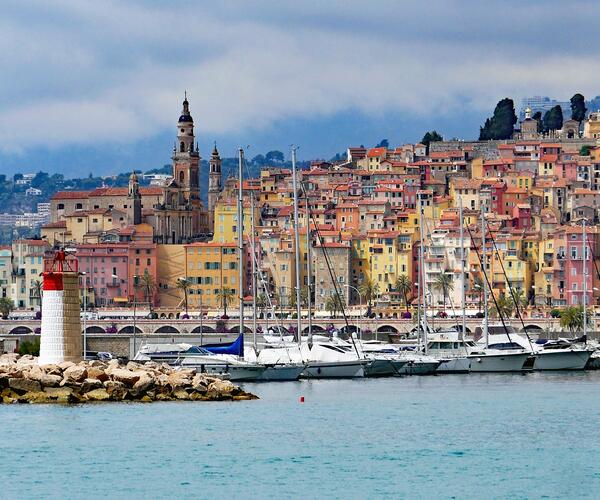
302, 399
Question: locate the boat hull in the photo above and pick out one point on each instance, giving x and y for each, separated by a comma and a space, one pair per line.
495, 363
339, 369
280, 373
454, 365
419, 368
384, 367
233, 372
571, 359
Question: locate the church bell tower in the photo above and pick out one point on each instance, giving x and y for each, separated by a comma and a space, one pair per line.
214, 185
186, 156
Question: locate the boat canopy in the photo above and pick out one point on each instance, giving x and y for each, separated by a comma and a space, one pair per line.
236, 347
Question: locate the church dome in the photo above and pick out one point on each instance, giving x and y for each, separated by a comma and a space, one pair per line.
185, 118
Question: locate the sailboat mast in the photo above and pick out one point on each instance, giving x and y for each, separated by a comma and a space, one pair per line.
308, 270
296, 247
422, 271
584, 282
253, 266
462, 270
483, 265
240, 231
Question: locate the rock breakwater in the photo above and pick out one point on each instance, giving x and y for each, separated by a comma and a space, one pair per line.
23, 381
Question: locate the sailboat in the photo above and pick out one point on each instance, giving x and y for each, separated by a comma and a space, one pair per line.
506, 356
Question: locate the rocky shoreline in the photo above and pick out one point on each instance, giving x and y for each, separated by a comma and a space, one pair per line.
22, 380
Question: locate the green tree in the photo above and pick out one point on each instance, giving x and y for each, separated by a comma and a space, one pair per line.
478, 285
571, 318
444, 283
585, 150
226, 296
540, 122
38, 291
578, 108
334, 304
184, 284
404, 286
520, 298
502, 307
148, 285
6, 306
303, 297
553, 119
429, 137
275, 156
384, 143
369, 290
502, 124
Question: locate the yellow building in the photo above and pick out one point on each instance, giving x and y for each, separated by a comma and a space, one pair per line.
226, 221
212, 267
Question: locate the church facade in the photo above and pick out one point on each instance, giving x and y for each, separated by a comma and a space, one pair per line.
174, 211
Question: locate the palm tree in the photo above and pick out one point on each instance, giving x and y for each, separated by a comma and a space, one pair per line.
6, 306
333, 304
478, 285
444, 283
404, 286
38, 291
148, 285
184, 285
572, 318
369, 290
226, 295
303, 297
520, 299
503, 307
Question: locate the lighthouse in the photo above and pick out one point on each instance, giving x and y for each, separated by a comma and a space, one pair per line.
61, 338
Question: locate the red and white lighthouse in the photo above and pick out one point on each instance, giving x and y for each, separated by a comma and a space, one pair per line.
61, 338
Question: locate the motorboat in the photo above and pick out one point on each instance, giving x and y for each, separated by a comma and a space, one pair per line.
191, 356
278, 363
560, 354
406, 360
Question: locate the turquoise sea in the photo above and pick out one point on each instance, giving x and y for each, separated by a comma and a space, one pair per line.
462, 436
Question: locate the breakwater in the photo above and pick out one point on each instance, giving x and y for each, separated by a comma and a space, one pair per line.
22, 380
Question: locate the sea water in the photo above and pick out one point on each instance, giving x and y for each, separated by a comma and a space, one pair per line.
464, 436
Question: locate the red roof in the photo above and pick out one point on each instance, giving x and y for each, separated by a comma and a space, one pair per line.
70, 195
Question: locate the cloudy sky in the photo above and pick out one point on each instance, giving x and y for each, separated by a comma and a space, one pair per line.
97, 86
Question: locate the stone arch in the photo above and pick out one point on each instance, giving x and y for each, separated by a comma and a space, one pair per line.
21, 330
347, 329
315, 329
205, 329
167, 329
387, 329
95, 329
236, 329
529, 328
129, 329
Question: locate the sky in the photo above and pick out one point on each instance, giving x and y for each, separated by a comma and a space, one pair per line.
97, 86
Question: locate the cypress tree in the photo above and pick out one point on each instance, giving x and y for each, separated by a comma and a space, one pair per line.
553, 119
502, 124
578, 108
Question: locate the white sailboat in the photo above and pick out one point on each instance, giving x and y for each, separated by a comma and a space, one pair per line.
505, 357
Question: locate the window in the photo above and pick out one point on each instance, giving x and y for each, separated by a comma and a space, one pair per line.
60, 206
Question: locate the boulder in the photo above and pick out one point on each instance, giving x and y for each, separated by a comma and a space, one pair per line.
46, 379
52, 369
65, 364
37, 397
125, 376
90, 384
181, 394
145, 383
98, 395
97, 373
199, 383
24, 384
179, 379
75, 373
221, 388
26, 360
115, 389
9, 396
133, 366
